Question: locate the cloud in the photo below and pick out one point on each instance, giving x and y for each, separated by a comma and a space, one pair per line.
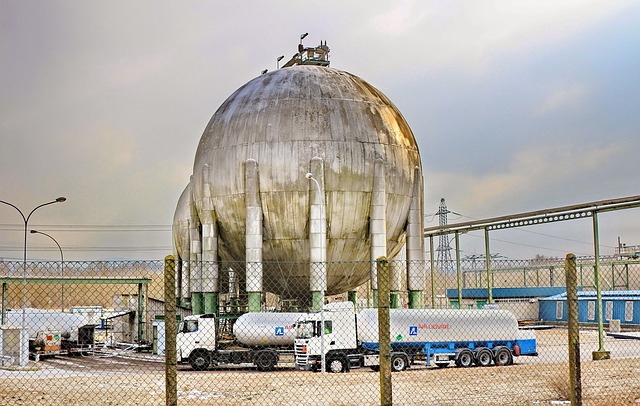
401, 19
471, 36
534, 175
105, 103
568, 96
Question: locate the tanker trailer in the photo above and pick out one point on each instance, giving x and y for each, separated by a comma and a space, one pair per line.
258, 339
466, 337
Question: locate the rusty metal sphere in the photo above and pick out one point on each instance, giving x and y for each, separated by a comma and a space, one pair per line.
282, 120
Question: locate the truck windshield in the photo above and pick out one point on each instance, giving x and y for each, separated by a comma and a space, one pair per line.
305, 329
311, 328
188, 326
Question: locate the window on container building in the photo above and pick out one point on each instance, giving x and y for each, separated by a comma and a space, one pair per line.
608, 310
591, 310
628, 311
559, 310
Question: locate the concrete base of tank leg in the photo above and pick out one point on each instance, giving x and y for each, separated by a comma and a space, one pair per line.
600, 355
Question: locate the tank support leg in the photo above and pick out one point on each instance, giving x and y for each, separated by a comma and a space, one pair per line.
416, 272
211, 302
416, 299
210, 266
197, 303
317, 300
253, 235
255, 301
317, 233
377, 227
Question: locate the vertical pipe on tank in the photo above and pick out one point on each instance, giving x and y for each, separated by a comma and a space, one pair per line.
195, 251
253, 235
317, 233
209, 248
377, 230
416, 273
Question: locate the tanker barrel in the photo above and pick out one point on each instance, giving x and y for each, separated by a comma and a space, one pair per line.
440, 325
268, 329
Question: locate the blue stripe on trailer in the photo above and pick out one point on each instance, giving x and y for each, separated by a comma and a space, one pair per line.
527, 347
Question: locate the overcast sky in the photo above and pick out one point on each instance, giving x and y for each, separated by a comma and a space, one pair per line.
516, 106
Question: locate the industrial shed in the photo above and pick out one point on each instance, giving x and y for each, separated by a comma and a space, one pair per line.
622, 305
522, 302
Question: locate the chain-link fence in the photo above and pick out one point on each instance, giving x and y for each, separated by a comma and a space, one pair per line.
95, 333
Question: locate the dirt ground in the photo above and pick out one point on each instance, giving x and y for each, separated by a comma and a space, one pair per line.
136, 379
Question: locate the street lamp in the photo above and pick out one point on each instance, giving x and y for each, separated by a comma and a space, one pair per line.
61, 266
24, 256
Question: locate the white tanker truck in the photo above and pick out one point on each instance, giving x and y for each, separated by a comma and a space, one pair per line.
465, 336
259, 339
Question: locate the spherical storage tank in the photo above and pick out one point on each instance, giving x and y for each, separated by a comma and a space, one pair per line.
285, 122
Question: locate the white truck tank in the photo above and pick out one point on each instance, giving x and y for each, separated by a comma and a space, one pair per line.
440, 325
266, 328
36, 320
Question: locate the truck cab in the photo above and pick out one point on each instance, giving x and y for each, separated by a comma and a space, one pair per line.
328, 334
195, 340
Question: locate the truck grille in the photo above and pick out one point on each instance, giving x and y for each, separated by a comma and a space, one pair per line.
302, 359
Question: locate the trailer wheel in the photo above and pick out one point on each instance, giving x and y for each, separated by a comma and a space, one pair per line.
465, 358
503, 357
336, 365
483, 357
265, 361
199, 360
442, 364
375, 368
399, 362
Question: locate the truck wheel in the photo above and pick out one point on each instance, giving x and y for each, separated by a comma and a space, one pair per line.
483, 357
465, 358
398, 363
503, 357
265, 361
199, 360
336, 365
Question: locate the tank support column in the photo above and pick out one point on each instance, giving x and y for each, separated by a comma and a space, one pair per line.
195, 252
209, 248
185, 260
183, 290
416, 272
396, 269
378, 229
317, 234
253, 235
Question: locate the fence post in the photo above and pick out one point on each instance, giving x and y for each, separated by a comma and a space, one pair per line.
384, 334
575, 389
170, 331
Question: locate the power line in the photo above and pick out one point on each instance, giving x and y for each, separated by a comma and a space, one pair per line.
89, 248
93, 228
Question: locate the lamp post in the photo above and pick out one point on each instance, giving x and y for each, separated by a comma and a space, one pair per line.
24, 257
323, 254
61, 265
